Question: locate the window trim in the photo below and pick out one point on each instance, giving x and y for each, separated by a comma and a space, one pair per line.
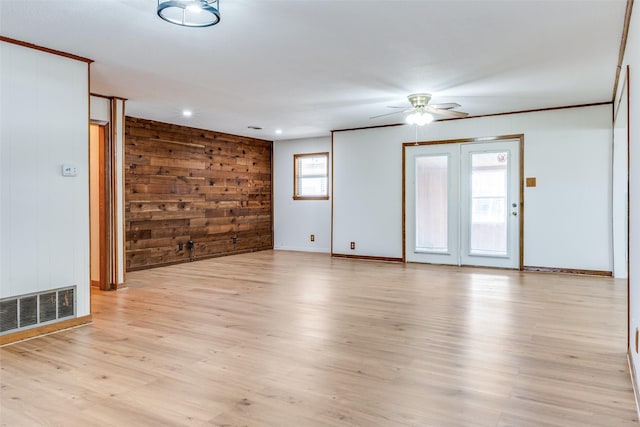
295, 176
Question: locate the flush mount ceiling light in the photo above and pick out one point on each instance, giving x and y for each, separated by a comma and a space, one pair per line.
190, 13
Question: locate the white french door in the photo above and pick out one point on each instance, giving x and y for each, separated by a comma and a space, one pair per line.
462, 203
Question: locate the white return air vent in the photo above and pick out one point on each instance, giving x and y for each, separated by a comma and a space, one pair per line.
31, 310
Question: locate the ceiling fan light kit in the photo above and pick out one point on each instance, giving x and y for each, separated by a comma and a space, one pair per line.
423, 113
189, 13
419, 118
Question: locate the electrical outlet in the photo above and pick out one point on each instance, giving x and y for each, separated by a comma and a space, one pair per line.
312, 237
180, 246
352, 245
234, 240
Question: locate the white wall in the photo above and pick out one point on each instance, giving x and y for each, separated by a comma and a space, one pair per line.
367, 191
295, 220
567, 216
44, 217
632, 59
100, 109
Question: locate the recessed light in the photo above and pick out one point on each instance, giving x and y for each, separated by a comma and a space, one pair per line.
187, 113
279, 131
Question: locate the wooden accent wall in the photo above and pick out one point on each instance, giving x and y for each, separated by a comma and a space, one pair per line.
186, 184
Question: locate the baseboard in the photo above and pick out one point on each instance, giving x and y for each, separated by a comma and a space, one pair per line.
198, 258
302, 249
634, 381
367, 257
44, 330
568, 271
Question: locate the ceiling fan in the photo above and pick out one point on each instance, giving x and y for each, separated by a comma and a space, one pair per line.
422, 112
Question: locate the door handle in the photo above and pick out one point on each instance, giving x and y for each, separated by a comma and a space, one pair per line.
514, 213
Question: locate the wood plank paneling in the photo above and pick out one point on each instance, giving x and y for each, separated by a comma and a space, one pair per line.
184, 183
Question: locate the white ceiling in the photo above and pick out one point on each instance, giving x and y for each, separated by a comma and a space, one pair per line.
312, 66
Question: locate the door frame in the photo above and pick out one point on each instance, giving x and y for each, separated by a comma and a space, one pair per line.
107, 202
519, 137
99, 150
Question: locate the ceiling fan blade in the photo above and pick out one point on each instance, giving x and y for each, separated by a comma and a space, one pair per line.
389, 114
445, 106
444, 112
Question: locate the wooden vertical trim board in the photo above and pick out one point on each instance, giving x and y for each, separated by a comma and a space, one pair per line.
88, 174
404, 204
273, 231
114, 213
628, 81
332, 193
120, 214
521, 201
44, 330
113, 218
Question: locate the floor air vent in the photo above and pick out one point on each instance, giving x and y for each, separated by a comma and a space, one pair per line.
28, 311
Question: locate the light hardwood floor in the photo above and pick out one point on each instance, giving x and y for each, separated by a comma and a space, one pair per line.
294, 339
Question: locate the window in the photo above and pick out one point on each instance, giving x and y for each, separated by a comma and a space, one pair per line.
311, 176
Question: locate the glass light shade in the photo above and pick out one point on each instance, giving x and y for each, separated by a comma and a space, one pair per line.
419, 119
189, 13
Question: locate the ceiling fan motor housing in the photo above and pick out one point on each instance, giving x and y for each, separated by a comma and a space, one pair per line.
419, 100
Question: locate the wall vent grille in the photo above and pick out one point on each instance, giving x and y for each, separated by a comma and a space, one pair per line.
31, 310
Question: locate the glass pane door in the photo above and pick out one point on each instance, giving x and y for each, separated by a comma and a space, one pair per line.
431, 192
489, 204
462, 203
